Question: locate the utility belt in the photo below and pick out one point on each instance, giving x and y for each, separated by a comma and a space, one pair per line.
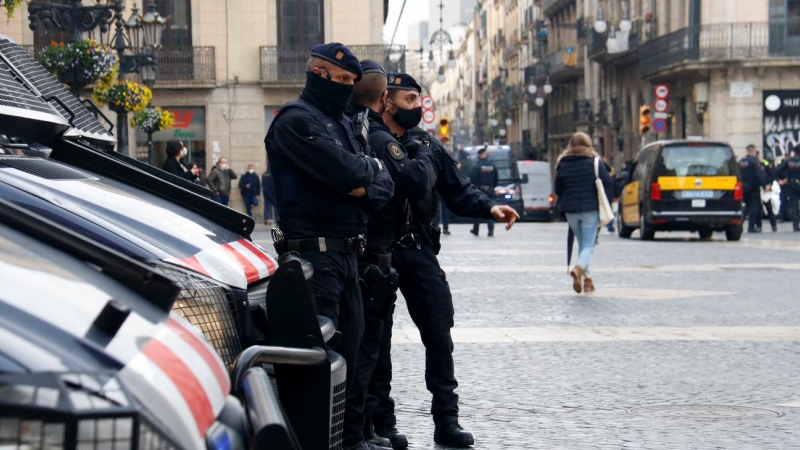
382, 260
282, 245
379, 290
430, 233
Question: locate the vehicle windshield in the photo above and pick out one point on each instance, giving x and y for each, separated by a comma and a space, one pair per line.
506, 170
696, 161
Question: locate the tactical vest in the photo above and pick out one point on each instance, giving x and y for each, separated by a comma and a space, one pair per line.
307, 208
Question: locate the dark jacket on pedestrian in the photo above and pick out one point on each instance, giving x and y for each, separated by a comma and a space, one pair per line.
753, 178
267, 188
575, 186
176, 167
219, 181
253, 181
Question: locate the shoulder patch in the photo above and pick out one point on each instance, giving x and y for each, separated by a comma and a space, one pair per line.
395, 151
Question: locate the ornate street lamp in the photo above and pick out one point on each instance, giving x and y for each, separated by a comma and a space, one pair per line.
601, 26
509, 122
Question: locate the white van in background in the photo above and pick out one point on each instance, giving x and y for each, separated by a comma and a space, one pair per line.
537, 190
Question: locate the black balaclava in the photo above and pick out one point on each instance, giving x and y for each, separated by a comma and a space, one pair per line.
329, 96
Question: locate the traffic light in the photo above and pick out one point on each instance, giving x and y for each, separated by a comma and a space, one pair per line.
644, 119
444, 130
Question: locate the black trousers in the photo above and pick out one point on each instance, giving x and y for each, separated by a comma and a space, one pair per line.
355, 422
773, 220
338, 296
752, 202
430, 304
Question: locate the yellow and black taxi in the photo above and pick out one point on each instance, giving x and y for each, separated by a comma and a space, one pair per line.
683, 185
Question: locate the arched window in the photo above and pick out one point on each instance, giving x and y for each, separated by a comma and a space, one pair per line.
178, 32
300, 24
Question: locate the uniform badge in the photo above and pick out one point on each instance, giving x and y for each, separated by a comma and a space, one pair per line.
339, 55
391, 79
395, 151
398, 80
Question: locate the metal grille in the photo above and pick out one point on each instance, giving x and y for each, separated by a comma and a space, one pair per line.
184, 64
150, 439
209, 307
48, 86
337, 415
257, 292
44, 169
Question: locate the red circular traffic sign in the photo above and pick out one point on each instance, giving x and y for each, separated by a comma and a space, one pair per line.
428, 116
427, 102
661, 105
662, 91
659, 125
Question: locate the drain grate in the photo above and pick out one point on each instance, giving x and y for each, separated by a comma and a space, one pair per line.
705, 412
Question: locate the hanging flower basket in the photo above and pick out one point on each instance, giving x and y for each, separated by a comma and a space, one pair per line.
10, 6
79, 63
152, 119
124, 96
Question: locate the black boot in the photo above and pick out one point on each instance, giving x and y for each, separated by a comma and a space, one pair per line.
474, 231
398, 440
452, 435
445, 231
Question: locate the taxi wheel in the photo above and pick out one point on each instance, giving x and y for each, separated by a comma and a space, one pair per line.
645, 232
622, 230
734, 232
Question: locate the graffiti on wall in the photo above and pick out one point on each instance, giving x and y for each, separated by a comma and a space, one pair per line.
781, 126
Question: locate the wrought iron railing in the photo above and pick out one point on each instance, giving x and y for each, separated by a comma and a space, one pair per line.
568, 58
177, 63
289, 63
720, 42
561, 124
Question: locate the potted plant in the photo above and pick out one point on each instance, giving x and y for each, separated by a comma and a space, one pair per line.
124, 96
152, 119
11, 6
79, 63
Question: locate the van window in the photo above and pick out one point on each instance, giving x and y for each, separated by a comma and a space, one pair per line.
697, 161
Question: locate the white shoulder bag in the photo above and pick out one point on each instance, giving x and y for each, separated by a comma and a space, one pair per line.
603, 206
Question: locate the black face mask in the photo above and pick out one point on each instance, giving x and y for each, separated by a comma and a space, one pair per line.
407, 118
329, 96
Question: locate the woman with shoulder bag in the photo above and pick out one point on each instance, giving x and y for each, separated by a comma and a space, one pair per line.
579, 173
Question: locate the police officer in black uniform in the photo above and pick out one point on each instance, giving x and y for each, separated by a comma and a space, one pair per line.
753, 180
485, 178
422, 281
789, 179
326, 187
414, 179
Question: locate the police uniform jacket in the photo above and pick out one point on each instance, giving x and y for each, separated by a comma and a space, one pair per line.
790, 170
315, 161
455, 190
485, 176
413, 180
752, 176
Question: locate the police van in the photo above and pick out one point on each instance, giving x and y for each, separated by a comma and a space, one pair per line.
57, 160
536, 189
508, 190
683, 185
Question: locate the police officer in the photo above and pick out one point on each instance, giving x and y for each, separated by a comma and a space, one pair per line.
326, 187
413, 179
789, 179
485, 178
752, 181
770, 175
422, 281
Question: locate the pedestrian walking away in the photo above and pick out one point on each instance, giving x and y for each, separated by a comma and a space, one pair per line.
269, 196
414, 176
771, 176
789, 179
422, 281
578, 201
219, 181
174, 162
326, 187
753, 180
250, 187
485, 178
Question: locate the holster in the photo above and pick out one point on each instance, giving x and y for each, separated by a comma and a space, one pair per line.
379, 292
436, 238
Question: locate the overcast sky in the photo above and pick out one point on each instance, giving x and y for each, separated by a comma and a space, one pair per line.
415, 11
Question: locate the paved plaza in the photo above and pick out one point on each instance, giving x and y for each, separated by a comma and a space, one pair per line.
685, 344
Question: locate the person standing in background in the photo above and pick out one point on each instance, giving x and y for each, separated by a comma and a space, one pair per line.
485, 178
174, 163
250, 186
219, 181
269, 195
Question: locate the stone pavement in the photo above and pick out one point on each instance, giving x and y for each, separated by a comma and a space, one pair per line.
685, 344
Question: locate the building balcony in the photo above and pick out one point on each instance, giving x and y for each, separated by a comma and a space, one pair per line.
179, 67
552, 7
706, 46
561, 125
288, 64
598, 49
566, 63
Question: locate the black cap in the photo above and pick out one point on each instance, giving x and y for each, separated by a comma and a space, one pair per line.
340, 55
482, 151
370, 66
403, 82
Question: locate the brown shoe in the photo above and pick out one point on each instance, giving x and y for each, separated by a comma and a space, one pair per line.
577, 274
588, 286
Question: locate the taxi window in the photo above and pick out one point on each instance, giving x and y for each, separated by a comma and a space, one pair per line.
688, 161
